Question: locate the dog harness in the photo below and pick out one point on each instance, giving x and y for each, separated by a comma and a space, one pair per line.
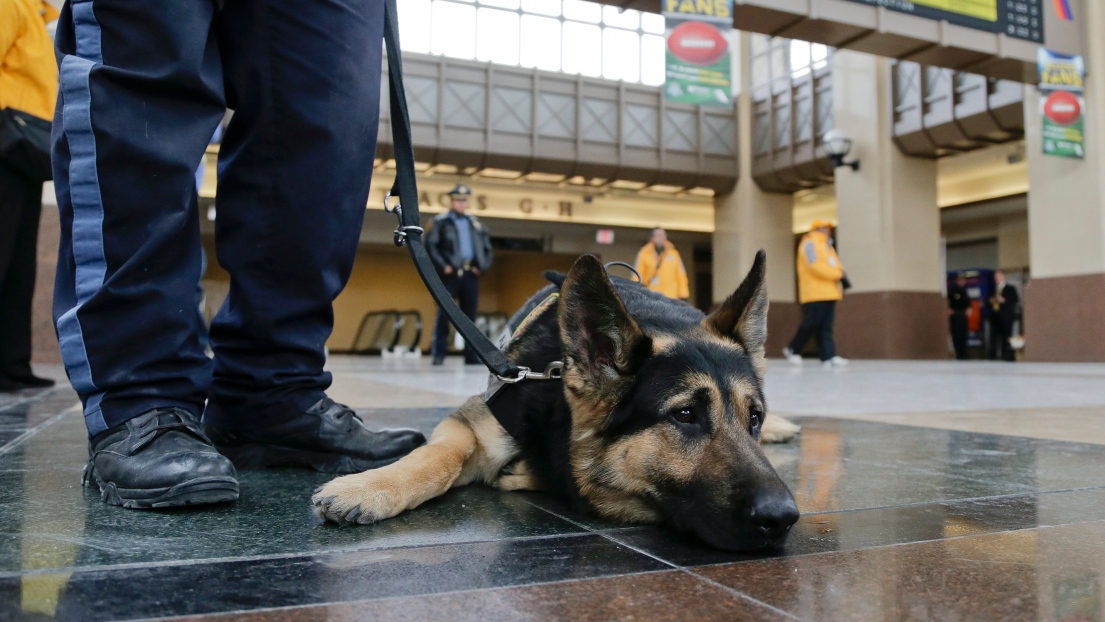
504, 397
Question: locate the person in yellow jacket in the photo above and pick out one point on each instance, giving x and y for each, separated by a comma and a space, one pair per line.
661, 268
819, 287
28, 84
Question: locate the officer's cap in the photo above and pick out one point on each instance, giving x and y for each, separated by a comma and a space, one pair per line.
461, 191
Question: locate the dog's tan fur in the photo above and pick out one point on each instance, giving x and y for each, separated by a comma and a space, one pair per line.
614, 474
470, 446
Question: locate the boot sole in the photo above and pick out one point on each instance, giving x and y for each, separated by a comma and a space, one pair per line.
257, 456
198, 491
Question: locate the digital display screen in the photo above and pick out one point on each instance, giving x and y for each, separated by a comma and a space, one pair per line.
1022, 19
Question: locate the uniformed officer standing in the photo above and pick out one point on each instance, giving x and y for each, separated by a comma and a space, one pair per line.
142, 88
460, 248
959, 307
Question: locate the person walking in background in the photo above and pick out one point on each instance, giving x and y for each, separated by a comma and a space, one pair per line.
143, 87
959, 309
661, 268
28, 90
819, 287
1003, 305
460, 247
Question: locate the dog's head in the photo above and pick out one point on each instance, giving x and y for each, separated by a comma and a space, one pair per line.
666, 422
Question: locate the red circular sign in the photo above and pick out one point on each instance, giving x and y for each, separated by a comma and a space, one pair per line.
697, 43
1063, 108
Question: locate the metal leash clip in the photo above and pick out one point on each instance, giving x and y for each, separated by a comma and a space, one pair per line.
554, 371
400, 231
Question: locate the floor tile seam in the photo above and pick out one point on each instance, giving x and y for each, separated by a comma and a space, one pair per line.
58, 469
177, 563
894, 545
697, 577
590, 530
672, 565
361, 601
873, 417
29, 398
860, 418
15, 442
957, 501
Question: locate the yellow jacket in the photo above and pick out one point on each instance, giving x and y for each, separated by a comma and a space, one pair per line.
819, 269
671, 277
28, 69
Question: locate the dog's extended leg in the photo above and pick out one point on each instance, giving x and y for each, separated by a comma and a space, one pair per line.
778, 430
425, 473
467, 445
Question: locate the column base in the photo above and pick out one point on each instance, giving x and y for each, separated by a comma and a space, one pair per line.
892, 325
1064, 319
782, 321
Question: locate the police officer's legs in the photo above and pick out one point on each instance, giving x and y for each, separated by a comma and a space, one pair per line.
304, 82
440, 346
139, 99
468, 298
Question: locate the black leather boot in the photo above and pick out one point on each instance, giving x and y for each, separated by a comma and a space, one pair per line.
159, 459
328, 437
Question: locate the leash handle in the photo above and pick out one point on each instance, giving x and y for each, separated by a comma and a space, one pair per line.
409, 232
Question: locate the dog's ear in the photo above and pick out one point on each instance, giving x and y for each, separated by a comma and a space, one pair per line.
599, 337
743, 315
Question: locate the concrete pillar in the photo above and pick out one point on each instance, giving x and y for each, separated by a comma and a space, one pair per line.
749, 219
888, 235
1064, 302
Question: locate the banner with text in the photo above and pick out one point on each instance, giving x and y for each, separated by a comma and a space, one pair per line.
699, 67
1062, 80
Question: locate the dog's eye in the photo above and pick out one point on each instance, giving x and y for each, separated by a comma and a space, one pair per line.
755, 417
683, 415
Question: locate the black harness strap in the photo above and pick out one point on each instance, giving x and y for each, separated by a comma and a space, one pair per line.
505, 402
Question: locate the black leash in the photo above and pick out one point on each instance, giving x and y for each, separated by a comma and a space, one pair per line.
409, 233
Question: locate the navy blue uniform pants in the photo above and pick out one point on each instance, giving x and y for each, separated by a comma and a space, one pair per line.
465, 288
143, 87
817, 320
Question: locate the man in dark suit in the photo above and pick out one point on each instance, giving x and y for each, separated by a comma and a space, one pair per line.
460, 248
1003, 305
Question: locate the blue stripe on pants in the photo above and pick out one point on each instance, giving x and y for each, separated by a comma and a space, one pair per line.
88, 209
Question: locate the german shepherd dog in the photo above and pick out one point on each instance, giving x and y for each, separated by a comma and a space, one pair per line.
657, 418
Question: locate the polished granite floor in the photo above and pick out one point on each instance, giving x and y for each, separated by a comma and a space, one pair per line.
929, 491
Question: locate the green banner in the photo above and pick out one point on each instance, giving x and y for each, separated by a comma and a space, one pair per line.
699, 65
1062, 105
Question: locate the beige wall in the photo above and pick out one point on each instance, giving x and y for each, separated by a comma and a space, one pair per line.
749, 219
1067, 198
889, 223
384, 279
1011, 233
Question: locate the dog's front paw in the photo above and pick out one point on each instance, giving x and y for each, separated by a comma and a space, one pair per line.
778, 430
357, 499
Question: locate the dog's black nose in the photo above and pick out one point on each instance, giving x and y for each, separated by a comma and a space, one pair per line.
773, 514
